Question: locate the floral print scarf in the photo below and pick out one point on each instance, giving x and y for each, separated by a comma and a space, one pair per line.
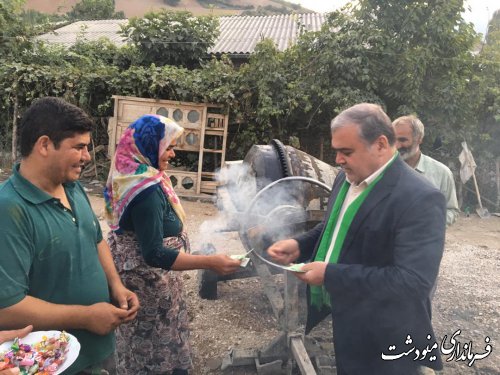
135, 166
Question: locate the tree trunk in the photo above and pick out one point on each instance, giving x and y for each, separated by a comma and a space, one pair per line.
498, 183
14, 130
321, 142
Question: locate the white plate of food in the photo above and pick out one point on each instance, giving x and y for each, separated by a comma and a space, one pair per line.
39, 342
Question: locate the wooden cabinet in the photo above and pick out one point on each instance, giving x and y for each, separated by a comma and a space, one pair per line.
200, 151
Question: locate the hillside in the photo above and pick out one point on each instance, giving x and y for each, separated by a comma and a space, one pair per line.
137, 8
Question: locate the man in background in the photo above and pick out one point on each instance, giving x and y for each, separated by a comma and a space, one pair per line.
409, 135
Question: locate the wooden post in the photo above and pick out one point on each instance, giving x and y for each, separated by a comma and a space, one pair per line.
291, 303
95, 159
477, 190
301, 356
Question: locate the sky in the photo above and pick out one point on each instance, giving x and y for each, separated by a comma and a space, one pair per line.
481, 10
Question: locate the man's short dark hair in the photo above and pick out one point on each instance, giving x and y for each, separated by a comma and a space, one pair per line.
53, 117
371, 120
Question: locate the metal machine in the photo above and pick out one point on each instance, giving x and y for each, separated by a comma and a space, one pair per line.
276, 192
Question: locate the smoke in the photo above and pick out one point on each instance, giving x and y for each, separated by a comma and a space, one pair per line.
258, 217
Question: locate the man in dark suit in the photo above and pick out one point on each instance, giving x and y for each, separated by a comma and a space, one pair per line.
376, 256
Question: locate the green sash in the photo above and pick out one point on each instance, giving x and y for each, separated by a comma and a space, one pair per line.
319, 295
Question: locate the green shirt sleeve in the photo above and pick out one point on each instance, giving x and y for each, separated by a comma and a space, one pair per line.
150, 224
16, 253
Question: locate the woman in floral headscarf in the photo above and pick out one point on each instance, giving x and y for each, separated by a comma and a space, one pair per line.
147, 239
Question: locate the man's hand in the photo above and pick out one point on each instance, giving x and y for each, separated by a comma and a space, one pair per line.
103, 318
126, 300
314, 273
284, 251
224, 265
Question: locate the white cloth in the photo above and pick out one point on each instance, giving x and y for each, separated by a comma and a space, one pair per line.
468, 165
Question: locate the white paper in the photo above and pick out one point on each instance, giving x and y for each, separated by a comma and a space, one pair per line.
243, 258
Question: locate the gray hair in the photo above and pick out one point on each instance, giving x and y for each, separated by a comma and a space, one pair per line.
371, 120
417, 128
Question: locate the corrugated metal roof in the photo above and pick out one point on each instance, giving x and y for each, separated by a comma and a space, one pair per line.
86, 30
238, 34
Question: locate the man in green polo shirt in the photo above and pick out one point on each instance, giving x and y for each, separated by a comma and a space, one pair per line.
56, 270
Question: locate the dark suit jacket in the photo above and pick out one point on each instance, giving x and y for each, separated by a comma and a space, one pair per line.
387, 266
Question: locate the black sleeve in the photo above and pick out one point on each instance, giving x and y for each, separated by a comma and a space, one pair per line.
307, 242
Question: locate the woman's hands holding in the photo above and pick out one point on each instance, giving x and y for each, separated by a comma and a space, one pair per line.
222, 264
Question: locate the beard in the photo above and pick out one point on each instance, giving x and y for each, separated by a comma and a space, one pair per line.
408, 152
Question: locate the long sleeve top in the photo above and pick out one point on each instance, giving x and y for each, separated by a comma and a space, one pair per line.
151, 217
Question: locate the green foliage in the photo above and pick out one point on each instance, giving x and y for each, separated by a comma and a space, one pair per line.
172, 38
485, 86
264, 86
94, 10
267, 10
284, 7
172, 3
420, 63
415, 57
34, 17
223, 4
15, 35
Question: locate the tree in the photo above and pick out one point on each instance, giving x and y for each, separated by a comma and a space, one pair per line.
485, 93
420, 56
490, 56
172, 38
15, 34
94, 10
411, 56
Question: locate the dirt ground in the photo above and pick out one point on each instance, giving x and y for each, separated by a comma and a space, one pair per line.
467, 298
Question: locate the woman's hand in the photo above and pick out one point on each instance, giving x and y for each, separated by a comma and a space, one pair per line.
222, 264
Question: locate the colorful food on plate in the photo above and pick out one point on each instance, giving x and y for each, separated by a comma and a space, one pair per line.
44, 357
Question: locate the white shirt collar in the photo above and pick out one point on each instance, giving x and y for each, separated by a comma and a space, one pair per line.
367, 181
